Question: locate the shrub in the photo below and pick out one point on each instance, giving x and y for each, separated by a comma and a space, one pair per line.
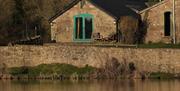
3, 68
128, 27
132, 67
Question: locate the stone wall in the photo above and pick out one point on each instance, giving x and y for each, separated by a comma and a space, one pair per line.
151, 60
63, 26
155, 18
177, 19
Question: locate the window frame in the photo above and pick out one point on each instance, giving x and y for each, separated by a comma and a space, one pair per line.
83, 16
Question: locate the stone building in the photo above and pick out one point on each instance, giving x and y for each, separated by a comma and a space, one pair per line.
160, 22
83, 19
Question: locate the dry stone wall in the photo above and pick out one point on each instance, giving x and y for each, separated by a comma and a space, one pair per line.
151, 60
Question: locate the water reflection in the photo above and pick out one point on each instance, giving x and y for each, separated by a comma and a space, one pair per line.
101, 85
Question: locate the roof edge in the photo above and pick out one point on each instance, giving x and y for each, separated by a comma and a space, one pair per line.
156, 5
60, 12
73, 4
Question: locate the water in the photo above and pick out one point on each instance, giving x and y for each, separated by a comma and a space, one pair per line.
103, 85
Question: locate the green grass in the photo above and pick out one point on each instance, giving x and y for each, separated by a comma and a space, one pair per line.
50, 69
159, 45
160, 75
121, 45
55, 71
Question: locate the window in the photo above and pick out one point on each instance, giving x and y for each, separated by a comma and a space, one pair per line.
167, 24
88, 27
83, 27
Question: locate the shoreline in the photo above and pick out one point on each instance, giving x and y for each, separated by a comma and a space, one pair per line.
70, 72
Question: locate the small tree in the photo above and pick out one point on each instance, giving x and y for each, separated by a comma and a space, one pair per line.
128, 26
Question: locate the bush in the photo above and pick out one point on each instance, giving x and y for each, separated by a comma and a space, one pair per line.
3, 69
113, 69
132, 67
128, 27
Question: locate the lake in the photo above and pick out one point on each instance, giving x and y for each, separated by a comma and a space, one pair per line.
100, 85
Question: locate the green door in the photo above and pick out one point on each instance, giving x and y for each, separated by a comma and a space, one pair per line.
83, 28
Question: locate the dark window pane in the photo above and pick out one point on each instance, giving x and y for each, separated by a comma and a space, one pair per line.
88, 28
167, 23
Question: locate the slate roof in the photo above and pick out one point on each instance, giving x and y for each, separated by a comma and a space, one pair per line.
115, 8
120, 7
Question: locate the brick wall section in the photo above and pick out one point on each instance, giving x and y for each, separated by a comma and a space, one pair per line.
151, 60
62, 30
155, 17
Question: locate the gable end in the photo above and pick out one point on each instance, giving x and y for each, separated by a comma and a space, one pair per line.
75, 2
